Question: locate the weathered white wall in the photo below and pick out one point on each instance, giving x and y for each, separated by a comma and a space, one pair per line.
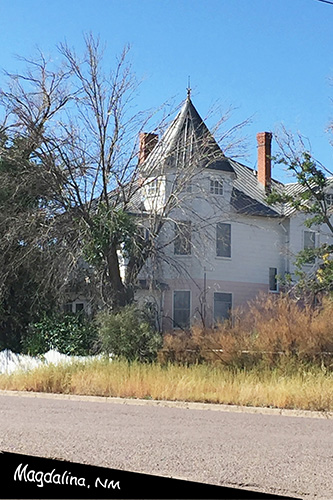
296, 239
257, 243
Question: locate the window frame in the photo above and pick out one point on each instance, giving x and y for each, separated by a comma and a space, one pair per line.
329, 200
178, 326
153, 187
217, 239
216, 187
220, 320
309, 231
276, 283
74, 307
181, 240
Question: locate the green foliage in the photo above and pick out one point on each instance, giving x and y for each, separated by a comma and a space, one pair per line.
128, 334
310, 199
27, 284
71, 334
109, 228
20, 305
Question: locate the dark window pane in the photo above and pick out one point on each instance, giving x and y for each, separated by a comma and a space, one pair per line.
223, 240
68, 307
273, 279
181, 309
182, 244
222, 306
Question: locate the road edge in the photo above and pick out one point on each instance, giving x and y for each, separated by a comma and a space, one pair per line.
174, 404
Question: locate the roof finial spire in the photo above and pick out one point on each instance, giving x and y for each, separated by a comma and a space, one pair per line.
189, 88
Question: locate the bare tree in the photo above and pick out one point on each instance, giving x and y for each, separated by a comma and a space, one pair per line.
99, 211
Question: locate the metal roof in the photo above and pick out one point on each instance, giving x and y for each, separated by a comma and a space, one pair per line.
249, 195
186, 138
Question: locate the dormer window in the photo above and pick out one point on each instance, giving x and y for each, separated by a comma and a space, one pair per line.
216, 187
152, 188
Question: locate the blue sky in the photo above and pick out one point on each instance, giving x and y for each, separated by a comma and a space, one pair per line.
271, 59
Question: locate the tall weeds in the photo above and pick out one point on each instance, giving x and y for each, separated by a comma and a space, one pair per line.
309, 389
274, 331
275, 354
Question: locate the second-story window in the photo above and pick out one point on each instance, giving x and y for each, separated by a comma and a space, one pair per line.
309, 240
223, 240
182, 242
329, 199
309, 243
216, 187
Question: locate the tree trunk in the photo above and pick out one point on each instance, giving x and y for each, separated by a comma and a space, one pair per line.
118, 296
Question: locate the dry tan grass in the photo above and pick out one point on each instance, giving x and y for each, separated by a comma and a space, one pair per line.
274, 330
310, 389
296, 377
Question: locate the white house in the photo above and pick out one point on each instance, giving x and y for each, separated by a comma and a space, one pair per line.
221, 243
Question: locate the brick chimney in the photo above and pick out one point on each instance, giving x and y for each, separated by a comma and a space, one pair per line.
147, 142
264, 140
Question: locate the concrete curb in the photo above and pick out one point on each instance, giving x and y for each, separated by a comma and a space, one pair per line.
175, 404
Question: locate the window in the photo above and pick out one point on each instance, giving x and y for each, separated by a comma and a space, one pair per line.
68, 308
329, 199
309, 243
152, 187
216, 187
79, 307
72, 307
181, 309
309, 240
222, 306
273, 284
182, 245
223, 240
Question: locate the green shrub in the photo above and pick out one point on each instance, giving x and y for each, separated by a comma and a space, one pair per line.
70, 334
128, 334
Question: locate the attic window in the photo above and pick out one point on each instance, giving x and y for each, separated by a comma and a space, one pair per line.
216, 187
152, 188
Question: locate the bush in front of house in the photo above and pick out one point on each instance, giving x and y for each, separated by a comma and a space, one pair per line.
71, 334
128, 334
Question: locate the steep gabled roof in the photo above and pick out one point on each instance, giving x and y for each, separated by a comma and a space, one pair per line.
188, 137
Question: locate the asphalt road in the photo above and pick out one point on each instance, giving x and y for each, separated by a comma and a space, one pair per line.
269, 453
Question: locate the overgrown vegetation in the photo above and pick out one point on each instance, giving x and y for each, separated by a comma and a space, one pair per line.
129, 334
305, 388
275, 331
277, 354
71, 334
